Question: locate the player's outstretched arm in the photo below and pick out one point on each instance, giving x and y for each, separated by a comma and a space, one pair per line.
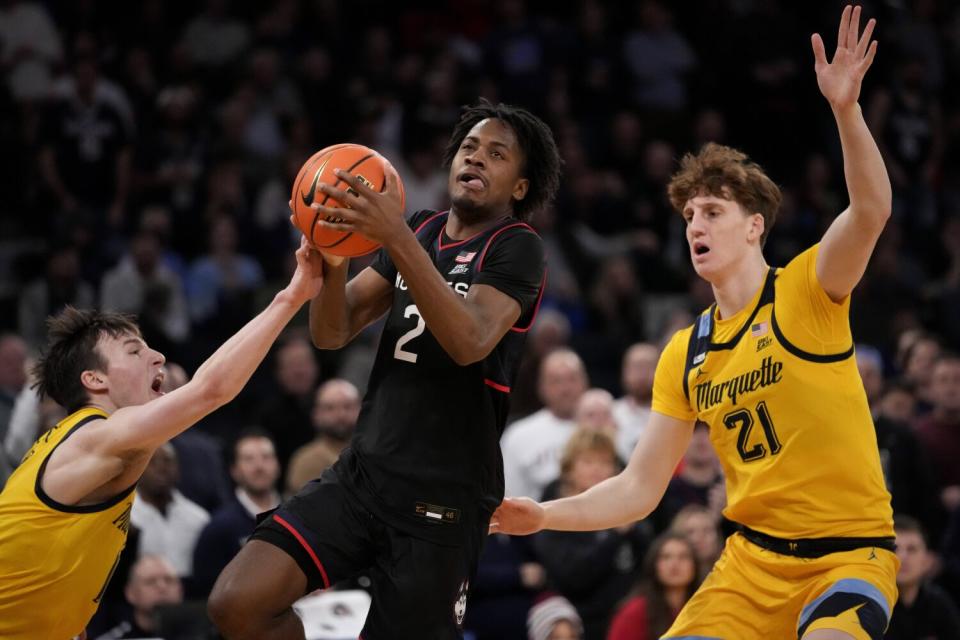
627, 497
220, 378
846, 246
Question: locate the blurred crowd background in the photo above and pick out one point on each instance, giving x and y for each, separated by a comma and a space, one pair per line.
149, 150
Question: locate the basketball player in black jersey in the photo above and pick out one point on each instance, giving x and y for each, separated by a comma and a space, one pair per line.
409, 501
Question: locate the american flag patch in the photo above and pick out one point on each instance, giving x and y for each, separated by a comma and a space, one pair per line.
759, 329
465, 256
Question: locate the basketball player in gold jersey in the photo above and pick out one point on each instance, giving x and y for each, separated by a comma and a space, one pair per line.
770, 368
65, 511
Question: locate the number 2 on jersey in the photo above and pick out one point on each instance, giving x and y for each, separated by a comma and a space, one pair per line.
743, 419
399, 353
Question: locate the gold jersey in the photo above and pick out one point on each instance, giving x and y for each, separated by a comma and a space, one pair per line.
778, 385
55, 559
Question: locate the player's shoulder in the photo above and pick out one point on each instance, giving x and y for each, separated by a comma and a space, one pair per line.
419, 219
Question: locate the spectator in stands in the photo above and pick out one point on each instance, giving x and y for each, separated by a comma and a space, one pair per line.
169, 523
923, 610
335, 412
221, 284
507, 581
61, 285
87, 148
633, 409
153, 582
551, 330
898, 402
940, 429
906, 467
917, 355
13, 376
201, 478
592, 569
699, 481
532, 446
143, 286
255, 471
669, 578
554, 618
285, 411
701, 525
595, 412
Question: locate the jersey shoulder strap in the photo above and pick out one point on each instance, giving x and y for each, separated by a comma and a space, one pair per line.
701, 335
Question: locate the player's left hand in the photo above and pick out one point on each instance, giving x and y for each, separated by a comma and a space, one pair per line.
374, 215
840, 79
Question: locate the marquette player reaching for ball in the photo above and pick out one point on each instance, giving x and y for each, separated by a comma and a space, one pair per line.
410, 499
65, 511
770, 368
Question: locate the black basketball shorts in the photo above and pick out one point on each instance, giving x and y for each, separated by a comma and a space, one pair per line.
419, 588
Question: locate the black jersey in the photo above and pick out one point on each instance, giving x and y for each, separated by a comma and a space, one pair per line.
425, 455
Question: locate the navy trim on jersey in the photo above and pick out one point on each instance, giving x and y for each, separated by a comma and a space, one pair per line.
766, 297
701, 335
70, 508
806, 355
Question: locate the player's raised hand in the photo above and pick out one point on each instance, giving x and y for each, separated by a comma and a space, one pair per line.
377, 216
307, 280
840, 79
518, 517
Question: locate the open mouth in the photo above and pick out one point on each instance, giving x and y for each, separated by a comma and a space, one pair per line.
157, 383
472, 181
700, 249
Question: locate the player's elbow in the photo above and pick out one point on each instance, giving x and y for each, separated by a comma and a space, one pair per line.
213, 392
470, 349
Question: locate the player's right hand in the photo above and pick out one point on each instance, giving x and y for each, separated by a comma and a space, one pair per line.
307, 280
329, 258
518, 517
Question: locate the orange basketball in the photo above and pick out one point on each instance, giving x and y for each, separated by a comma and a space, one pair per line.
356, 159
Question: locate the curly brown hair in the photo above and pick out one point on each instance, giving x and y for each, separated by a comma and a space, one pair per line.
724, 172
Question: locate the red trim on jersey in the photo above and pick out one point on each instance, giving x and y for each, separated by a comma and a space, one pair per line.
495, 385
499, 231
428, 220
444, 247
313, 556
536, 307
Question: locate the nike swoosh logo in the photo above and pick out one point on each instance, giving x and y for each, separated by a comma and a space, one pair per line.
308, 198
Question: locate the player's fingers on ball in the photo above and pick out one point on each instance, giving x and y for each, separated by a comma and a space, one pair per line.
339, 195
358, 185
336, 226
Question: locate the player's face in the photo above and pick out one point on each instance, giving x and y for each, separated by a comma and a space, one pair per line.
485, 175
134, 372
256, 468
720, 235
675, 566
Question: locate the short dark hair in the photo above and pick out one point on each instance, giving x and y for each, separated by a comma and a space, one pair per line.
541, 159
247, 433
908, 524
72, 349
